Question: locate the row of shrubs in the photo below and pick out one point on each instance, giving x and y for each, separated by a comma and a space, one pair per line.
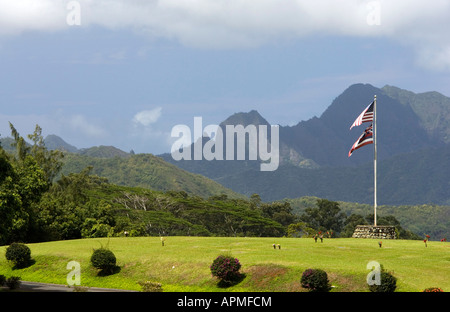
316, 280
226, 268
20, 256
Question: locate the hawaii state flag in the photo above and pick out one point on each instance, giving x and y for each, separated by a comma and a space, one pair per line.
364, 139
366, 116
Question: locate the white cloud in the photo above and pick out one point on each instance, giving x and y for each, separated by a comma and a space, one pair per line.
81, 124
147, 117
42, 15
145, 134
434, 58
247, 23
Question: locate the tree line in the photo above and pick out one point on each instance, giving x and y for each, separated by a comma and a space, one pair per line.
35, 206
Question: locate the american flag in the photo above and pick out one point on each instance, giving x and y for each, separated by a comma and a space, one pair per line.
366, 116
365, 139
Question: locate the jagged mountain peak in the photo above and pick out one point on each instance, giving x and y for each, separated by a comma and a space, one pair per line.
54, 142
245, 119
432, 108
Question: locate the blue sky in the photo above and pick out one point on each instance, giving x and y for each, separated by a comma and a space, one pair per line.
133, 69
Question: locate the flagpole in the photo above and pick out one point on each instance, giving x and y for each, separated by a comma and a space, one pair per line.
375, 161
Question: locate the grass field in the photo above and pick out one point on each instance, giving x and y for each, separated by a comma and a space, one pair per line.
183, 263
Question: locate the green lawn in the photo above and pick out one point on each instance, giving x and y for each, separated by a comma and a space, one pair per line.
183, 263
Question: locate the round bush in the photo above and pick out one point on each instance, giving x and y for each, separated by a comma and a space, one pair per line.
433, 289
19, 254
388, 283
103, 259
149, 286
226, 268
13, 282
315, 280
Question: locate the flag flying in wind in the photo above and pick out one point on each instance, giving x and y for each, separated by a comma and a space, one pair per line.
365, 139
366, 116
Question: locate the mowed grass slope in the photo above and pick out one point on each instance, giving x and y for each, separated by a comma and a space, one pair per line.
183, 263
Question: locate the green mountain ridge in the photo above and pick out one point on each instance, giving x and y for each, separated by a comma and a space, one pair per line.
54, 142
432, 108
147, 171
127, 169
412, 171
103, 151
413, 181
406, 179
413, 163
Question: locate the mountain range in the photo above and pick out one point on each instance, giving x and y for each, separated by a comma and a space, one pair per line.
413, 147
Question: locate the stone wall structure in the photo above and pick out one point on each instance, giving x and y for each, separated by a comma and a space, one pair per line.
378, 232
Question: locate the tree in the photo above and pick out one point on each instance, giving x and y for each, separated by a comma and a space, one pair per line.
66, 206
255, 201
19, 143
300, 229
392, 221
24, 178
6, 169
326, 216
22, 184
31, 185
50, 161
9, 197
10, 202
20, 190
350, 224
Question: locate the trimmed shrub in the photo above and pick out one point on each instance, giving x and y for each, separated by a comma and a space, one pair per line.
226, 268
433, 289
315, 280
19, 254
104, 259
149, 286
388, 283
13, 282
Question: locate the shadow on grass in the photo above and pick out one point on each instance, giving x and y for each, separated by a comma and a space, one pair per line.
110, 271
23, 265
234, 282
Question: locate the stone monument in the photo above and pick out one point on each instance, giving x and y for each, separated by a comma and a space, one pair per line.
371, 231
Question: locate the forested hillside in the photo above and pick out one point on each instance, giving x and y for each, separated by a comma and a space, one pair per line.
53, 190
147, 171
415, 178
38, 204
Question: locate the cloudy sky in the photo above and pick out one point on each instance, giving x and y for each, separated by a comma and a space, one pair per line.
124, 72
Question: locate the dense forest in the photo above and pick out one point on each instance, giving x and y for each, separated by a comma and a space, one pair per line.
38, 203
